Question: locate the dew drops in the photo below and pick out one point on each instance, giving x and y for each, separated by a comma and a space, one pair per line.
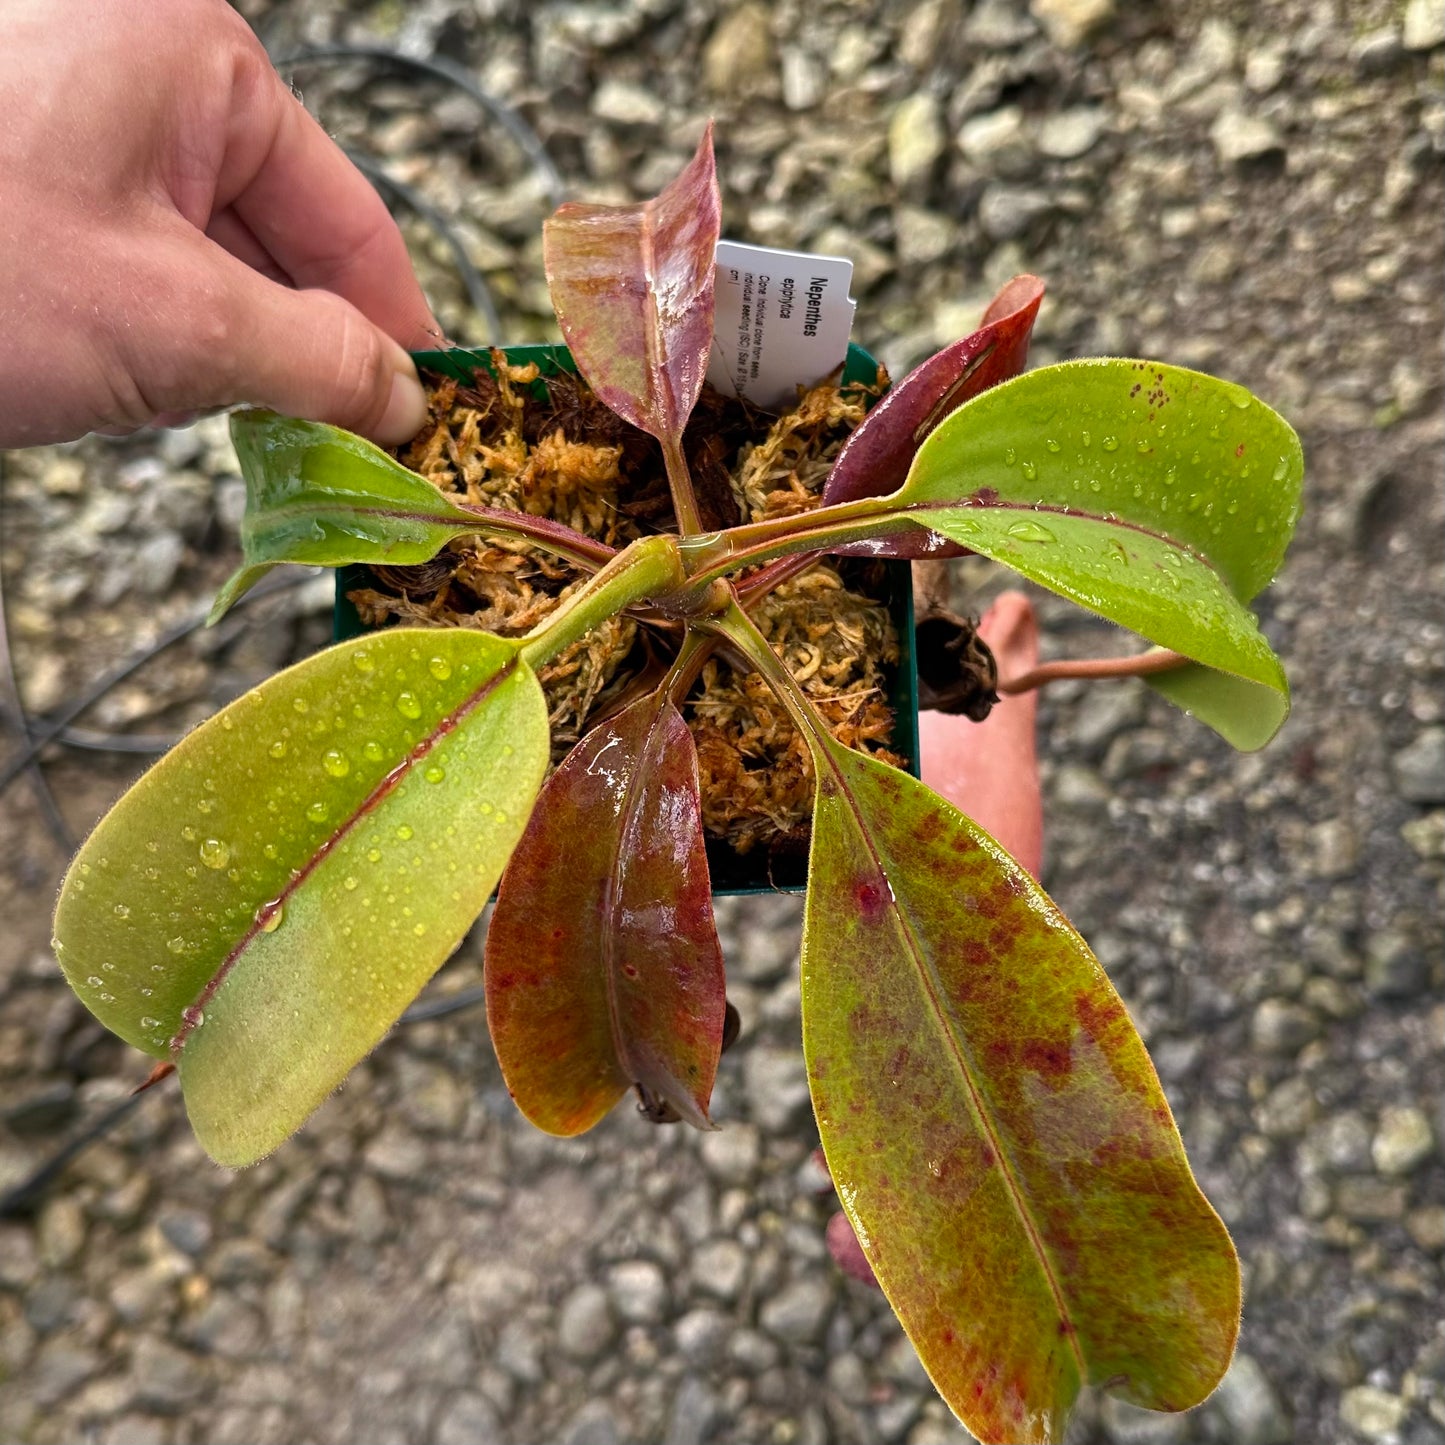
1141, 446
1053, 446
1231, 507
1281, 469
1031, 532
373, 855
408, 705
1030, 471
404, 831
372, 752
1170, 476
1010, 456
299, 704
85, 870
1110, 444
500, 816
95, 980
188, 834
484, 807
317, 812
121, 910
147, 1022
336, 763
226, 723
439, 668
271, 917
506, 750
1087, 438
349, 883
277, 749
176, 945
435, 773
419, 929
215, 854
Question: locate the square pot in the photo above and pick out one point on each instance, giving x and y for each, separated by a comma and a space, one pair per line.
732, 874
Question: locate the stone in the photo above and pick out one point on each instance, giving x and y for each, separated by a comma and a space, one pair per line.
998, 25
1336, 848
805, 80
48, 1109
592, 1425
1425, 837
1403, 1141
1378, 51
1129, 1425
61, 1231
753, 1351
519, 1353
1068, 134
224, 1326
1424, 25
170, 1381
622, 103
1249, 1404
719, 1268
1395, 966
1242, 140
1419, 768
19, 1259
1426, 1226
998, 143
693, 1411
59, 1370
1372, 1413
1339, 1144
156, 562
738, 58
1080, 788
1071, 22
700, 1335
923, 237
1281, 1026
798, 1313
1007, 212
397, 1154
639, 1291
1288, 1109
468, 1419
188, 1230
916, 140
776, 1080
730, 1154
1103, 712
585, 1326
1370, 1200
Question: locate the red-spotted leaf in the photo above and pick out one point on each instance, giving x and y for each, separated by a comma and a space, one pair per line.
993, 1124
603, 965
633, 290
876, 457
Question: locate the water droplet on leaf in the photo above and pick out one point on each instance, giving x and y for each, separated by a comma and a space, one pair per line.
408, 705
336, 763
1031, 532
215, 854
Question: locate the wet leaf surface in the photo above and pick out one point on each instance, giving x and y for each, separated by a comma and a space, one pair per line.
633, 290
993, 1124
266, 901
1159, 498
603, 964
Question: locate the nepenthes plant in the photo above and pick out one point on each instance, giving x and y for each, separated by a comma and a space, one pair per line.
261, 907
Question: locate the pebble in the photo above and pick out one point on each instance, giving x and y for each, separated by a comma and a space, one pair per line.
623, 103
62, 1231
796, 1316
700, 1335
1281, 1026
1068, 134
170, 1381
916, 141
1424, 24
585, 1326
639, 1291
740, 57
1372, 1413
396, 1153
1071, 22
731, 1153
998, 143
720, 1268
157, 560
1007, 212
1336, 846
1369, 1200
1241, 140
998, 25
1395, 966
1128, 1425
805, 81
1419, 768
187, 1229
776, 1080
1249, 1404
469, 1419
1104, 712
1403, 1141
1288, 1110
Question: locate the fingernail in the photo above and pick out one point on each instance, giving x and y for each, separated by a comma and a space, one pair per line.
405, 413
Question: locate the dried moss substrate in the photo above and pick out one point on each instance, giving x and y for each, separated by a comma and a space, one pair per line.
569, 458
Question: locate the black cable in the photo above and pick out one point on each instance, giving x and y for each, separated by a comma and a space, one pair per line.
441, 68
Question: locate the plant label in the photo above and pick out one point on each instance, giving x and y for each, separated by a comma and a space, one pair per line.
782, 318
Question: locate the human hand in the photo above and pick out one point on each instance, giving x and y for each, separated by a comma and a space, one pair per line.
177, 233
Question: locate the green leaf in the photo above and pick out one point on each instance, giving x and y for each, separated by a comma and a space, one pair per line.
995, 1129
603, 963
320, 496
266, 901
1157, 497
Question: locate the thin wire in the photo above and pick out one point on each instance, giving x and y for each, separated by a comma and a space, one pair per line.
47, 732
441, 68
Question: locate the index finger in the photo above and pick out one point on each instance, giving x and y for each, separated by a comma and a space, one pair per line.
325, 226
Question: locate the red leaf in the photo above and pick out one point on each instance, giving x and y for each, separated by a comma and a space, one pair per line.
633, 290
603, 966
876, 457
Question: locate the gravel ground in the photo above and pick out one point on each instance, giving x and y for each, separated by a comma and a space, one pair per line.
1251, 189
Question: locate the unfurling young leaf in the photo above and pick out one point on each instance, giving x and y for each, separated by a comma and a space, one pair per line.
633, 290
876, 457
994, 1127
603, 964
320, 496
266, 901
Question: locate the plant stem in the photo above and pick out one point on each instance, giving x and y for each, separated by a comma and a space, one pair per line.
1158, 659
586, 552
645, 569
679, 482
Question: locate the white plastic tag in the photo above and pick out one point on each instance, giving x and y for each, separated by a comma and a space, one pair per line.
782, 318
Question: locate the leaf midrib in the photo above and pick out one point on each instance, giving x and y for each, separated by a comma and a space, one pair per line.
387, 785
933, 989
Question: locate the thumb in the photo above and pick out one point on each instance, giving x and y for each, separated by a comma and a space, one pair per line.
234, 335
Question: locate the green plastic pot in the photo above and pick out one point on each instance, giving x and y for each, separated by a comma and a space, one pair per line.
759, 871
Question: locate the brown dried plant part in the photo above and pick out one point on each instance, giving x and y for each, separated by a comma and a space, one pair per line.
563, 455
